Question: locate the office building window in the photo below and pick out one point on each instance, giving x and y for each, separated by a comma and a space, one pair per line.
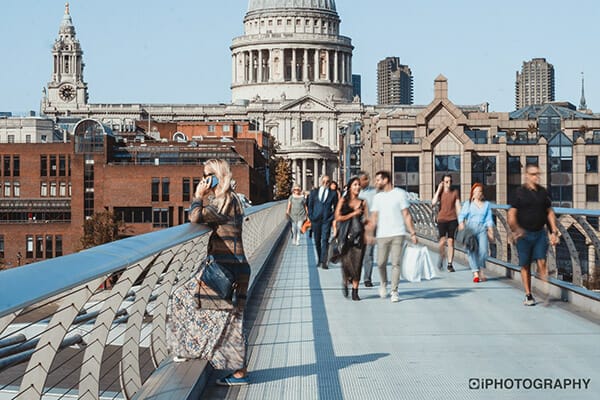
52, 189
29, 246
448, 165
591, 164
160, 218
155, 188
483, 170
39, 246
1, 246
44, 189
63, 189
53, 166
478, 136
591, 193
7, 188
62, 166
185, 189
17, 189
406, 173
58, 246
43, 165
49, 246
402, 137
16, 165
6, 165
165, 189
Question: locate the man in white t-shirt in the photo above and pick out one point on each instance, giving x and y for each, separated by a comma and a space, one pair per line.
389, 213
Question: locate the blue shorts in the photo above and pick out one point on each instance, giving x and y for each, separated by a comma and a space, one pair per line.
532, 246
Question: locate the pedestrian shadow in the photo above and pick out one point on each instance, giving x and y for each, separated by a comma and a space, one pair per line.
431, 293
327, 371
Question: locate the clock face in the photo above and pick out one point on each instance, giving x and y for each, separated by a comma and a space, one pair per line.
67, 92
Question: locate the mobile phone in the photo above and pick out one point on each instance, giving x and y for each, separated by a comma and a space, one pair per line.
213, 181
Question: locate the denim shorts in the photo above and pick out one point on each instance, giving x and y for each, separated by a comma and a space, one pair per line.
532, 246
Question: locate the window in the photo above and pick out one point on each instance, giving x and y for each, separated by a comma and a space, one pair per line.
226, 128
307, 130
1, 246
591, 193
11, 138
53, 166
165, 189
52, 189
160, 218
49, 246
534, 160
7, 187
62, 165
155, 188
185, 189
63, 189
29, 246
17, 189
43, 165
6, 165
58, 247
483, 170
39, 247
406, 173
27, 138
447, 165
16, 165
44, 189
238, 128
135, 215
402, 137
211, 128
478, 136
591, 164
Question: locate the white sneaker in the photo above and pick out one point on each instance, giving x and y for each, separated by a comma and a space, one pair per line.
395, 297
178, 359
382, 292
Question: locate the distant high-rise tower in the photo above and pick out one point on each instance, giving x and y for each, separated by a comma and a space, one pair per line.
535, 83
394, 82
356, 85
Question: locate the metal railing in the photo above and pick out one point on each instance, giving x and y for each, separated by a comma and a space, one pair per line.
575, 260
92, 325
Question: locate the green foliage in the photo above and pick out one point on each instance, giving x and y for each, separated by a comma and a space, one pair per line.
103, 227
283, 179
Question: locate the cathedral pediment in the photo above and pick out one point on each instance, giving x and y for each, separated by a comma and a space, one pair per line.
308, 104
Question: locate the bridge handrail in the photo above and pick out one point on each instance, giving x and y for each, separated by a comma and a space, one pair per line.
47, 301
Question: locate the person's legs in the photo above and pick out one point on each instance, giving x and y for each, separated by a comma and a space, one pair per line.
316, 228
325, 232
482, 252
368, 264
295, 231
525, 249
383, 251
452, 227
397, 251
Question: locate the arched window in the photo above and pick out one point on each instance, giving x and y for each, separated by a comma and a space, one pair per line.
179, 137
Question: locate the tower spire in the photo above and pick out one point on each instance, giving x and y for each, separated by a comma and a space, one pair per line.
582, 105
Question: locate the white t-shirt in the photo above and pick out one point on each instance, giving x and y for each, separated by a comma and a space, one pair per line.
367, 195
389, 206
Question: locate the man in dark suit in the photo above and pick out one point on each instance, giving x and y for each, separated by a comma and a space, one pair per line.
321, 208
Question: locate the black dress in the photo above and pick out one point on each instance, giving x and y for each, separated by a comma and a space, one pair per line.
353, 258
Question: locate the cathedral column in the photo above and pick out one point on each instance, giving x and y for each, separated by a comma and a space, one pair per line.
294, 78
304, 186
295, 171
270, 65
316, 173
344, 68
349, 68
233, 65
252, 75
260, 66
327, 63
305, 66
282, 65
335, 68
317, 72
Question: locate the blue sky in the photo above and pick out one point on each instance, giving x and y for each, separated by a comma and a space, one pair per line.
159, 51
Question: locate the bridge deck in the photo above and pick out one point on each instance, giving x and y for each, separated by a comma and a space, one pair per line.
439, 342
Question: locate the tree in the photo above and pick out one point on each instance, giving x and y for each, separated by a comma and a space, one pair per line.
283, 179
103, 227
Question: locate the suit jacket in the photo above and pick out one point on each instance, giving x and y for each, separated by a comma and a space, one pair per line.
322, 211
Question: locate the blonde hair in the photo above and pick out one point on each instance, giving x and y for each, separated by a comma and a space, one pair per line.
222, 171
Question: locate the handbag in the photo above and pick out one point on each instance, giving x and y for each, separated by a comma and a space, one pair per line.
305, 226
218, 278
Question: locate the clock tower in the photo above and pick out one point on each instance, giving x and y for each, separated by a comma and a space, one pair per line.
66, 90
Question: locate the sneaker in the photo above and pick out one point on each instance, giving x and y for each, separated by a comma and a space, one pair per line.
178, 359
529, 300
382, 292
231, 380
450, 268
395, 297
368, 284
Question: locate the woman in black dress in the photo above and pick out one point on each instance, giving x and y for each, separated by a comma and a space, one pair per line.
351, 207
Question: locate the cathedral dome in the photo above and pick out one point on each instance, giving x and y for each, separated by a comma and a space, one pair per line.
260, 5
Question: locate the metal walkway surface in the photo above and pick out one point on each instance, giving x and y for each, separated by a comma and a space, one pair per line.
447, 338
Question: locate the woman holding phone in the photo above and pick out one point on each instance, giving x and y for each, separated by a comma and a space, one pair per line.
217, 205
